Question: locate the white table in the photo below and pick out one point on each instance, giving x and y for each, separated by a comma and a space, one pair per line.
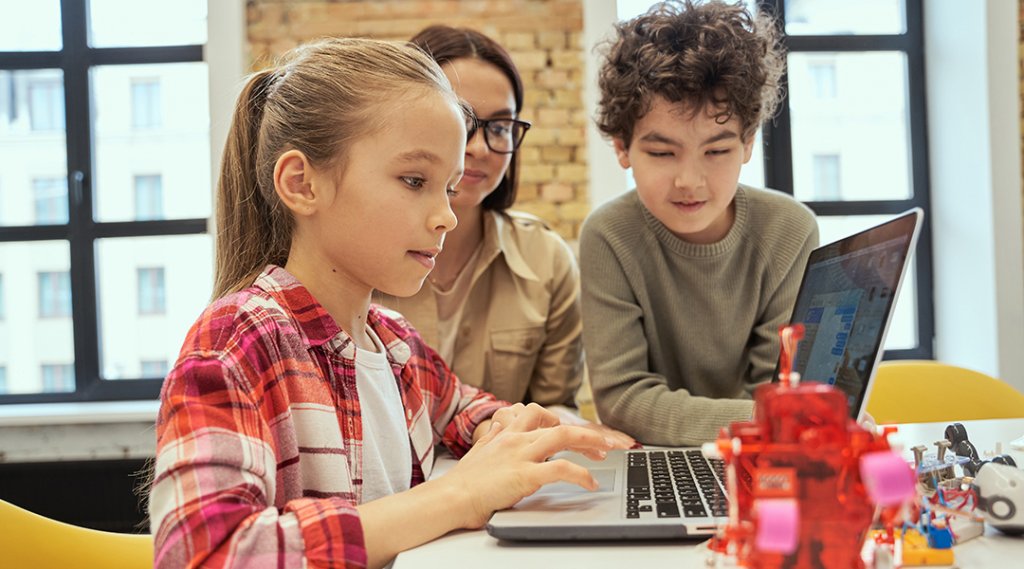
477, 549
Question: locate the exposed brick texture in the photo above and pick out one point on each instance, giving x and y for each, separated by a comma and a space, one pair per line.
544, 38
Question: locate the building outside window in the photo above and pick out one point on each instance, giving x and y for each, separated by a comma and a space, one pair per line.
149, 197
3, 379
154, 368
51, 200
58, 378
826, 177
46, 105
823, 77
151, 291
104, 109
54, 294
146, 103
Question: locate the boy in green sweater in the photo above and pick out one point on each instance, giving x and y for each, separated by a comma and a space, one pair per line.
687, 278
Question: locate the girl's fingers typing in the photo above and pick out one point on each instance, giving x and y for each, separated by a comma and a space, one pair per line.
565, 437
565, 471
525, 418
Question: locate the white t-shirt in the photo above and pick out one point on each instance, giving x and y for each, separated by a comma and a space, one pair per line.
387, 456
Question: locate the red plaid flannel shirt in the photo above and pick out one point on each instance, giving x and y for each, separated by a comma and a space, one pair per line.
259, 437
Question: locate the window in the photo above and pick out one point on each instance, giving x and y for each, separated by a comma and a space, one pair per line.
146, 103
99, 100
860, 160
855, 155
826, 177
149, 197
51, 200
58, 378
823, 77
3, 379
54, 295
2, 309
151, 291
154, 368
46, 105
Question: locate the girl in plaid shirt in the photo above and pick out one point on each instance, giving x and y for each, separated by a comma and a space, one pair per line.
298, 425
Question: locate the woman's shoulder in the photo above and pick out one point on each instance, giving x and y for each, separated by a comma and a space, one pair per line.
536, 241
526, 225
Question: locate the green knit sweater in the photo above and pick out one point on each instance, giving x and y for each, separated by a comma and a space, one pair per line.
677, 335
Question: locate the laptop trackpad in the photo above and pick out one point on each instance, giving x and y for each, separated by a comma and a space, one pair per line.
605, 479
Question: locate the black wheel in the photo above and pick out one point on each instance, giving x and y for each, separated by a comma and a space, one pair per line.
1001, 508
956, 433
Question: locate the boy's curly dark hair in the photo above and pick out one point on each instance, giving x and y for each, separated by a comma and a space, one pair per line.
694, 53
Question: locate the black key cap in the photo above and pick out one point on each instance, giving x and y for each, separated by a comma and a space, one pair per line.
695, 511
636, 476
668, 510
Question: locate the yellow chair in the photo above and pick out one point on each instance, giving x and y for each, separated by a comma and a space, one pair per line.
32, 541
918, 391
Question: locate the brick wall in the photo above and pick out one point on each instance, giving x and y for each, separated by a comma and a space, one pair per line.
544, 38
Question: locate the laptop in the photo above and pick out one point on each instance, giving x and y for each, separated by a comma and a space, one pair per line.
845, 302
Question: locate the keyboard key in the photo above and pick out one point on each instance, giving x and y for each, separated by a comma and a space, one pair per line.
636, 477
668, 510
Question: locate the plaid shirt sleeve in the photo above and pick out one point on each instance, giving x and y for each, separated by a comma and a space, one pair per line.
212, 499
455, 408
458, 408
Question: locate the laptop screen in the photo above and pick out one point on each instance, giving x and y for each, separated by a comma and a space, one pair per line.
845, 303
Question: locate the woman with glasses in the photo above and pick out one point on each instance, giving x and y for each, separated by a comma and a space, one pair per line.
502, 306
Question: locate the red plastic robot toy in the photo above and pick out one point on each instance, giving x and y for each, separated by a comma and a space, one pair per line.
803, 478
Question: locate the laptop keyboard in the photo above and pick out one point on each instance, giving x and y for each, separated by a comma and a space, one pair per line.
674, 484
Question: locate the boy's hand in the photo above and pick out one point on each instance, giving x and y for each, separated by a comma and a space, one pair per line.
510, 461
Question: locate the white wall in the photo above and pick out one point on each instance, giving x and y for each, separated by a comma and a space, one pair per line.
607, 178
227, 55
974, 144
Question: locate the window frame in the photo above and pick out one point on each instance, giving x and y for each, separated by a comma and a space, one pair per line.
75, 59
777, 138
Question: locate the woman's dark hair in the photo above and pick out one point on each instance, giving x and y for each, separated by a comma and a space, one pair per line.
445, 44
699, 54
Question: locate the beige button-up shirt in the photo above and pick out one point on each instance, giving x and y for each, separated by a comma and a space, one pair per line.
519, 333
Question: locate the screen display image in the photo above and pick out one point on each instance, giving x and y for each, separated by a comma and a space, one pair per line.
845, 301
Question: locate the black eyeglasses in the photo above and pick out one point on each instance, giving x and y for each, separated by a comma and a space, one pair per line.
501, 135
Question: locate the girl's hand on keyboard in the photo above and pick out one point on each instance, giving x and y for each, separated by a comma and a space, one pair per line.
618, 438
510, 461
570, 417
